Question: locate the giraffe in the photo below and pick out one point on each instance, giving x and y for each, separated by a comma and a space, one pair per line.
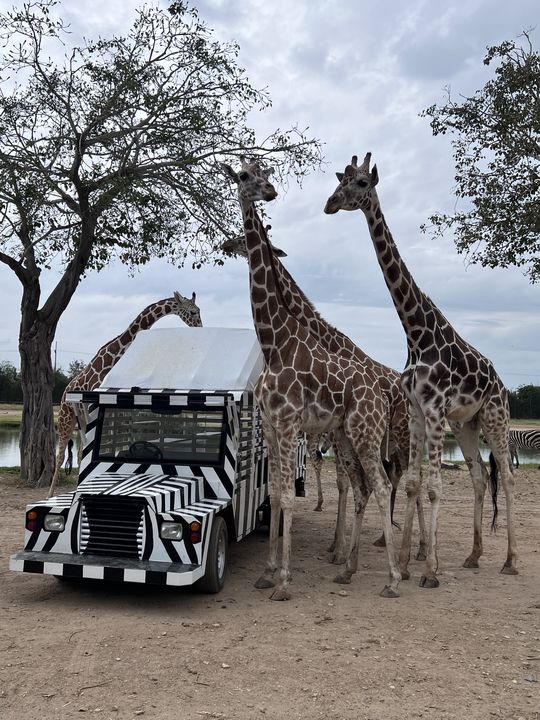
445, 380
106, 357
305, 388
397, 451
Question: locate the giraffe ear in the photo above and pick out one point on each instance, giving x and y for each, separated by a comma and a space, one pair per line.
340, 176
229, 172
278, 252
374, 176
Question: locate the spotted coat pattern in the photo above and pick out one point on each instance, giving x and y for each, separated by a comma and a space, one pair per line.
445, 380
306, 388
397, 446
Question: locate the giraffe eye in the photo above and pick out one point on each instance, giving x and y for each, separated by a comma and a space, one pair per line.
361, 183
243, 176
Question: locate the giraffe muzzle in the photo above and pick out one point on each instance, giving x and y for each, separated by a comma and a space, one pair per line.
332, 206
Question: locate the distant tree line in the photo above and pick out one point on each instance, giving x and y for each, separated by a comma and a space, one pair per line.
11, 387
524, 402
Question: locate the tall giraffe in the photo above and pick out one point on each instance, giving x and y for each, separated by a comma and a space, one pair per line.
396, 449
107, 357
445, 379
306, 388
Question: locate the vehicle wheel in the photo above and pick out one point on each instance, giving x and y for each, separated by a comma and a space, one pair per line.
216, 561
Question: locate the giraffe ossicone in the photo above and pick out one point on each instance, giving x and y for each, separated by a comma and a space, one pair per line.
445, 380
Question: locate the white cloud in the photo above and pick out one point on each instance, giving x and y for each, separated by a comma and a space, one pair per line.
358, 74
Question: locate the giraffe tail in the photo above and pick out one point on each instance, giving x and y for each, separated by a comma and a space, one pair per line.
494, 487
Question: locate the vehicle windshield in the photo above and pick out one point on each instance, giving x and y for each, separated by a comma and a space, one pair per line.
174, 435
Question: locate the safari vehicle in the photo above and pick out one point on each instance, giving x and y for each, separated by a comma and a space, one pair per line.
174, 464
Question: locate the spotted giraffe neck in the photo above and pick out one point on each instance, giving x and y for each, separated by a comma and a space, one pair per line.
109, 353
418, 314
267, 305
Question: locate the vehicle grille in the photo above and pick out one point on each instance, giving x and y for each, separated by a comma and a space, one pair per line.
112, 525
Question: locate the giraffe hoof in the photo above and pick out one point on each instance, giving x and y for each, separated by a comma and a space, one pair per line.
428, 582
388, 592
338, 558
380, 542
343, 579
264, 582
509, 570
280, 594
405, 575
331, 547
471, 562
317, 509
421, 555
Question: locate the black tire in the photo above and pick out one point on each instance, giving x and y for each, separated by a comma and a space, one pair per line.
216, 562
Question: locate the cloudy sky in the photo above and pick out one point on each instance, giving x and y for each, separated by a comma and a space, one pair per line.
358, 74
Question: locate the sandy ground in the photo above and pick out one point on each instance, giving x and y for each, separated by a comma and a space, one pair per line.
469, 649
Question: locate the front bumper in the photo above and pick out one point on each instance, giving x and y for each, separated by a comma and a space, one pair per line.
102, 567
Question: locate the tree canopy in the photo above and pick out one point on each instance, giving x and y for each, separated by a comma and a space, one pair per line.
109, 151
127, 130
496, 147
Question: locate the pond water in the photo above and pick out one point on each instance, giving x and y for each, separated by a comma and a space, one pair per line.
9, 450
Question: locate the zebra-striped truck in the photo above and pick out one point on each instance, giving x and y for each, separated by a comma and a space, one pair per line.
167, 475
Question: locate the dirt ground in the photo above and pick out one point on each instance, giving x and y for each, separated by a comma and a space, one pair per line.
469, 649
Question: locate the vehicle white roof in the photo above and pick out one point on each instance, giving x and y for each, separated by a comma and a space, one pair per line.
189, 358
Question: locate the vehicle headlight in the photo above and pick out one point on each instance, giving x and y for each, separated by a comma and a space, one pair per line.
171, 530
54, 522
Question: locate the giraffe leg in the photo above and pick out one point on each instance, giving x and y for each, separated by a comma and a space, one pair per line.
421, 554
361, 495
394, 477
435, 441
496, 433
338, 546
413, 485
467, 436
382, 490
266, 580
359, 473
317, 461
287, 458
66, 424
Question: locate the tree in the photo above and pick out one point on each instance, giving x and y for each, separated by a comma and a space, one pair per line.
496, 146
110, 152
74, 368
525, 402
10, 384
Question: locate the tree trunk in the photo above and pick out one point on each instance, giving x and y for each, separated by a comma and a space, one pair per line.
37, 438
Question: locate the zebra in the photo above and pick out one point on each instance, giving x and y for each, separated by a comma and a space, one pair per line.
517, 439
522, 440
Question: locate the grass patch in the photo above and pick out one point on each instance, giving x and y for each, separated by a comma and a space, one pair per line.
13, 474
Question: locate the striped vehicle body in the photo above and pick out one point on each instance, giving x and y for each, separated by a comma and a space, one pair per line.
112, 519
522, 440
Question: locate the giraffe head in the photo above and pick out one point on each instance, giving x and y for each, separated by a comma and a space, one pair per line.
252, 181
356, 187
187, 310
237, 246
